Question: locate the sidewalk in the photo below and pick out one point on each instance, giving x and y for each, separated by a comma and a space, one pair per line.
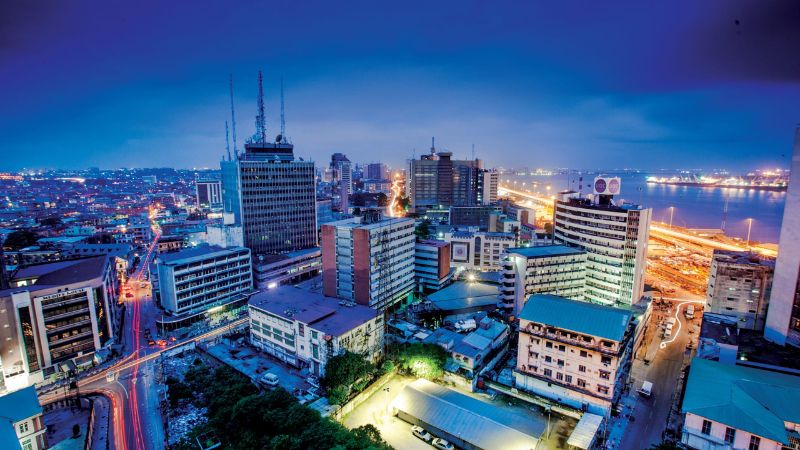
100, 434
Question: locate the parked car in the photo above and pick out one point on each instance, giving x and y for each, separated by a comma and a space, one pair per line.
647, 389
690, 312
420, 432
312, 380
269, 379
441, 444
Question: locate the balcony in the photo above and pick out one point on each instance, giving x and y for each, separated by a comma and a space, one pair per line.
593, 345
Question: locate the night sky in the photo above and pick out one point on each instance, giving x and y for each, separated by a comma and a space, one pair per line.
667, 84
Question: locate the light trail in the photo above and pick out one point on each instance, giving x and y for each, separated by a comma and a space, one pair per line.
394, 209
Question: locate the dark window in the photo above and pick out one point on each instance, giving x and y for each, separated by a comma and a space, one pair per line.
730, 435
706, 427
755, 441
581, 368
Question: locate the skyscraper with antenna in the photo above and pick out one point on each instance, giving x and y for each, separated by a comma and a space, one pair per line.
283, 116
261, 119
233, 118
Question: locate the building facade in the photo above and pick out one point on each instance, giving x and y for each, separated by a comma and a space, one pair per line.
479, 250
438, 181
369, 260
306, 329
551, 269
472, 216
432, 265
614, 237
22, 423
574, 352
196, 279
270, 271
273, 196
54, 313
783, 318
208, 192
739, 285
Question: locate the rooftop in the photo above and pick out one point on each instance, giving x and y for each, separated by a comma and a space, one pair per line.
744, 258
21, 404
545, 251
199, 252
355, 222
62, 272
464, 294
480, 423
583, 317
753, 400
325, 314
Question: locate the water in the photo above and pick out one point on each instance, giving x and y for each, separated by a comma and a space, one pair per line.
695, 207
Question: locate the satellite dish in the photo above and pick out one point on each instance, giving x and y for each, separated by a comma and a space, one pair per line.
279, 138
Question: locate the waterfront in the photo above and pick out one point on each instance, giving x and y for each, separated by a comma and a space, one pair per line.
695, 207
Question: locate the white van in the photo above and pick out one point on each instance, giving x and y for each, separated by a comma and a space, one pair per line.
647, 389
690, 312
668, 330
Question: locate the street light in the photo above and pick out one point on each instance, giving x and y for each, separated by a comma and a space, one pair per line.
671, 212
749, 227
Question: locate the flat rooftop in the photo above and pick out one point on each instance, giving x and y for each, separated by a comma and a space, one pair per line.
464, 294
196, 253
62, 272
546, 251
583, 317
326, 314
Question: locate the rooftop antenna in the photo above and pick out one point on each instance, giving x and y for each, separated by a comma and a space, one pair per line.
261, 121
227, 141
233, 119
473, 152
433, 145
283, 117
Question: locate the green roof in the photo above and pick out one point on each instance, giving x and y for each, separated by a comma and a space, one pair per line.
754, 400
545, 251
582, 317
21, 404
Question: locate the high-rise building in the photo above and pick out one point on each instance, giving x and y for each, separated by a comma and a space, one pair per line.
272, 195
738, 285
377, 171
614, 236
783, 317
342, 179
432, 265
368, 259
55, 312
548, 269
208, 192
437, 181
488, 181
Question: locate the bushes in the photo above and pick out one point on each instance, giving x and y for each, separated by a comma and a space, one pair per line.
419, 359
243, 418
346, 374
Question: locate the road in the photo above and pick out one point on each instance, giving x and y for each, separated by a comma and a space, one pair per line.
666, 360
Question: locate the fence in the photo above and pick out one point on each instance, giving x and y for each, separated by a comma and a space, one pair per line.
356, 401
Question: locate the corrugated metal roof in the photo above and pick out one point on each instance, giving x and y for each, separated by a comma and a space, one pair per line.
545, 251
21, 404
464, 294
479, 423
583, 435
753, 400
575, 315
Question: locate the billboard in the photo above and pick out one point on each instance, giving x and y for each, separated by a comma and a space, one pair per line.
607, 185
460, 251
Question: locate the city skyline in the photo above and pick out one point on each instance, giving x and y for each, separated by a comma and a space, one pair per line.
546, 86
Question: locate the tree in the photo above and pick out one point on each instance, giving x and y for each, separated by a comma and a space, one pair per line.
346, 369
51, 221
20, 239
420, 359
423, 230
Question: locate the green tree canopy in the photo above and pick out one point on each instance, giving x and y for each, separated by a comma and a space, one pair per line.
420, 359
20, 239
423, 230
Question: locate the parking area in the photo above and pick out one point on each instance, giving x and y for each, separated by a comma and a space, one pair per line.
255, 364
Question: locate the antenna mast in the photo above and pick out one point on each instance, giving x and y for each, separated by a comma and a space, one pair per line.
233, 119
283, 117
261, 121
227, 141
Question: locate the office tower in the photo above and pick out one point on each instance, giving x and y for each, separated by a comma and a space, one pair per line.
783, 317
614, 235
549, 269
488, 181
574, 352
369, 259
55, 312
437, 181
432, 265
738, 285
272, 195
208, 192
342, 178
377, 171
472, 216
193, 280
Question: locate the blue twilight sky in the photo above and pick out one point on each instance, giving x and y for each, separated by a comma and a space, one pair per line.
673, 84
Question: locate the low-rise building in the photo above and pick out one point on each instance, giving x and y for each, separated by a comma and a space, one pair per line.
21, 423
479, 250
739, 285
55, 313
292, 267
574, 352
306, 329
195, 279
550, 269
432, 265
728, 406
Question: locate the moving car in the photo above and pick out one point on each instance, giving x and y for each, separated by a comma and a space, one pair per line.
420, 432
269, 379
441, 444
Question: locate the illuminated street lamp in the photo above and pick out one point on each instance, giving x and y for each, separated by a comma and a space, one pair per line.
749, 227
671, 212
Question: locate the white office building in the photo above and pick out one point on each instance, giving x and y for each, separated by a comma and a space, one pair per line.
549, 269
196, 279
738, 286
614, 235
479, 250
